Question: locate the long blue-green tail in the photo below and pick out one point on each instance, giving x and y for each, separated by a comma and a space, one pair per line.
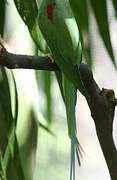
70, 98
73, 137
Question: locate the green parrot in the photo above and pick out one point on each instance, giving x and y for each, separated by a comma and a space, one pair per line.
59, 28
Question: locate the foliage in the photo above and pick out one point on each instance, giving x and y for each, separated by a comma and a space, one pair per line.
10, 160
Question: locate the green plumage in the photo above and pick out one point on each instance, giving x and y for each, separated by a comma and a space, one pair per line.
60, 31
62, 36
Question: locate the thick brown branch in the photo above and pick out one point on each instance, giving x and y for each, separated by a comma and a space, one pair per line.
102, 105
13, 61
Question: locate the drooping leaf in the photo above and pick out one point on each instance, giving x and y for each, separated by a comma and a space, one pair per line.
2, 16
5, 109
28, 144
9, 151
44, 81
12, 141
46, 129
115, 6
9, 154
80, 10
16, 99
6, 120
5, 106
45, 78
100, 11
28, 11
47, 90
3, 174
87, 51
17, 161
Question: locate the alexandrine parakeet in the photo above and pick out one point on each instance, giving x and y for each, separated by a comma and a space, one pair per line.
60, 31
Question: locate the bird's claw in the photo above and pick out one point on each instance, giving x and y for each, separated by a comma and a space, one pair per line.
51, 58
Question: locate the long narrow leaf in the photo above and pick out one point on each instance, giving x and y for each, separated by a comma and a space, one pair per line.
3, 174
100, 11
5, 105
80, 10
2, 16
17, 161
16, 99
7, 127
45, 77
5, 109
28, 11
46, 129
10, 155
47, 90
115, 6
15, 153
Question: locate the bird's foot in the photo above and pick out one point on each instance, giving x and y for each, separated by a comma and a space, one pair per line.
51, 58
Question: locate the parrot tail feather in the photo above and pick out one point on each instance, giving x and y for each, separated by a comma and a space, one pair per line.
79, 148
79, 151
78, 158
73, 147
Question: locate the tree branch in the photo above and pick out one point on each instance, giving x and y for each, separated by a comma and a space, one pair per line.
102, 106
101, 102
14, 61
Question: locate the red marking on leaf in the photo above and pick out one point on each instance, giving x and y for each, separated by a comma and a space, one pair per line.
50, 8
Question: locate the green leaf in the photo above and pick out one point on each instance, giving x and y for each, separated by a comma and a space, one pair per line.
100, 11
3, 174
10, 147
6, 119
28, 11
44, 78
16, 99
115, 6
11, 131
7, 125
5, 109
17, 161
87, 51
47, 91
13, 145
80, 10
2, 16
46, 129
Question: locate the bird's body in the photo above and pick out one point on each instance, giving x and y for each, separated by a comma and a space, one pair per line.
59, 21
60, 31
